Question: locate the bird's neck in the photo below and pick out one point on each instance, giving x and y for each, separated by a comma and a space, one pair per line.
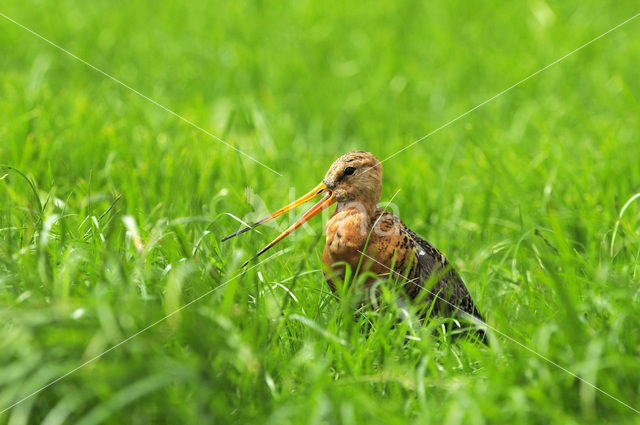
364, 210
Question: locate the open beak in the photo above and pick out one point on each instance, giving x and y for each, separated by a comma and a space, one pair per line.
323, 204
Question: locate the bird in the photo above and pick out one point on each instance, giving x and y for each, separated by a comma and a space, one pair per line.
360, 235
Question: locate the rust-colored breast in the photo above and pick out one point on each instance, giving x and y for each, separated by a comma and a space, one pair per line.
347, 234
394, 247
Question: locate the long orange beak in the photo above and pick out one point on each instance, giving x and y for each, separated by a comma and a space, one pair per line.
323, 204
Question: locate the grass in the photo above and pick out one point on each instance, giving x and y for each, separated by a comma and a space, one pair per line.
111, 209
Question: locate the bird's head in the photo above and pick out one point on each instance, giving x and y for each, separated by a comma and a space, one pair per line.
354, 177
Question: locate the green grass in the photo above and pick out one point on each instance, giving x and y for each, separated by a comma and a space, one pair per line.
523, 195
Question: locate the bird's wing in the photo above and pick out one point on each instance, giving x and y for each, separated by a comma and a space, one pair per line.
435, 274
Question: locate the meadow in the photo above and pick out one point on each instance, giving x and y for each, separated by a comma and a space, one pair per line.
112, 210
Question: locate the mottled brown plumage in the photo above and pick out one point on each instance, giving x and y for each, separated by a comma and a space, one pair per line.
357, 226
361, 234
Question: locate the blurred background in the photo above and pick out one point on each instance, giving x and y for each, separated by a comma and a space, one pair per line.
112, 209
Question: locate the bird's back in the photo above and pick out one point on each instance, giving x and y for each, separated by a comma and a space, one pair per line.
426, 273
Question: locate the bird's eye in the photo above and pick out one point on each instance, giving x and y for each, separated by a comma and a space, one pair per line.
349, 170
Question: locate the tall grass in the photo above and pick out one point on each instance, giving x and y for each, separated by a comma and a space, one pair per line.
112, 210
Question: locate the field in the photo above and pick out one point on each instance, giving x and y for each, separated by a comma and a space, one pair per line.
112, 210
